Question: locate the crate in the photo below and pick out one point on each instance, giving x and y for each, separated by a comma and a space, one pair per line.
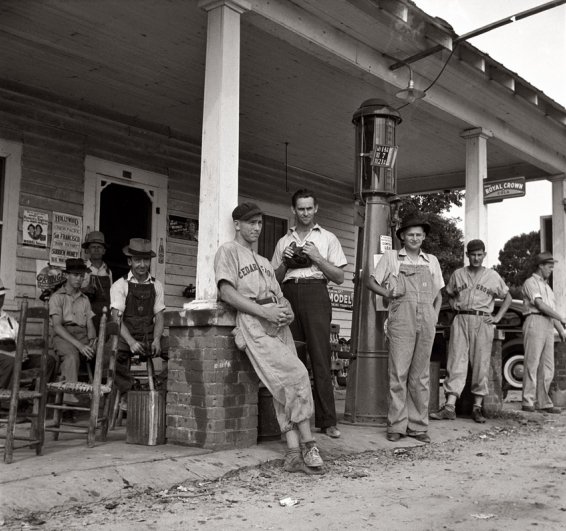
145, 422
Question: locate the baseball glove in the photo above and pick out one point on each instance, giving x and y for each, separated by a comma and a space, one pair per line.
299, 258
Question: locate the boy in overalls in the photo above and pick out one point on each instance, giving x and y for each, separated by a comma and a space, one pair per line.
140, 298
409, 281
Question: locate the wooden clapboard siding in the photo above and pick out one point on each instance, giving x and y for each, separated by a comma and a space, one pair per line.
58, 134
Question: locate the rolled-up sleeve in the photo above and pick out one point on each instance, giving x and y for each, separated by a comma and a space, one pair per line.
118, 293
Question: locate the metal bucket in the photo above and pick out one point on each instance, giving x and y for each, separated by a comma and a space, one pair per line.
145, 422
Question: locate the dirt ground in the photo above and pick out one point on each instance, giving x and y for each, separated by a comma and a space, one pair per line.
510, 477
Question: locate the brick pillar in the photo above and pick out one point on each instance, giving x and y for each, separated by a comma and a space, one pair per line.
493, 402
212, 388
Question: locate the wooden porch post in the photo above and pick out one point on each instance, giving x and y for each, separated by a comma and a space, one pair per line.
220, 137
475, 222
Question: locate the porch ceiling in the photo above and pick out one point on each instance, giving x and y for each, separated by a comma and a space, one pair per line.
145, 59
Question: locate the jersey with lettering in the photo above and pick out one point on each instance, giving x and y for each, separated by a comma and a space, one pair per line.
475, 292
250, 273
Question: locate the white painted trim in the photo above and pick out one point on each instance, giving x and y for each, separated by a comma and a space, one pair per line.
12, 153
97, 170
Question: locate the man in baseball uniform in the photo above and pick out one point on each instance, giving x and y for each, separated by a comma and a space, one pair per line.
247, 282
304, 284
409, 281
472, 291
538, 333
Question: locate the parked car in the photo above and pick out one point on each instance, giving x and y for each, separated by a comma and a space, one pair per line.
512, 351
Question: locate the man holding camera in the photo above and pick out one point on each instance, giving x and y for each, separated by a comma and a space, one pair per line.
305, 259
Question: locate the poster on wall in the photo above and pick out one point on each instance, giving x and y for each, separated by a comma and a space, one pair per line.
48, 277
66, 238
34, 228
182, 228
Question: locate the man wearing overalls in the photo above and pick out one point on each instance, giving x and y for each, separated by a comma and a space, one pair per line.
140, 298
98, 279
409, 281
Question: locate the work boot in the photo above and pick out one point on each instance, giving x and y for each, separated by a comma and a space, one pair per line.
311, 455
294, 463
477, 415
447, 412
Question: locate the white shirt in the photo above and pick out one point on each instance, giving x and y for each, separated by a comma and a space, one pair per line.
7, 331
119, 292
327, 244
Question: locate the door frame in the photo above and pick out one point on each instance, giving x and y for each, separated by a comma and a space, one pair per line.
97, 170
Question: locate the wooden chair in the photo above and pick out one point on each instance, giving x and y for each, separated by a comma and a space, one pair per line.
96, 392
36, 378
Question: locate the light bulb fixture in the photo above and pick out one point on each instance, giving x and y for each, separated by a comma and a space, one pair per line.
410, 94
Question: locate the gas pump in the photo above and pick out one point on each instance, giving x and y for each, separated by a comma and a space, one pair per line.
376, 212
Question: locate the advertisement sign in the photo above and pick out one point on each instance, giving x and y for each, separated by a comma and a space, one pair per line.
66, 238
341, 298
495, 191
34, 228
182, 228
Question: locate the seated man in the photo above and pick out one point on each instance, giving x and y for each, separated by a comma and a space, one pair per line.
73, 326
8, 335
247, 282
140, 298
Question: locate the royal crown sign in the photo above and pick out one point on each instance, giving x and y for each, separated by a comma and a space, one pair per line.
494, 191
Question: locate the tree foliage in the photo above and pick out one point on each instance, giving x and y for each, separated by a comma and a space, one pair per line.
516, 258
445, 239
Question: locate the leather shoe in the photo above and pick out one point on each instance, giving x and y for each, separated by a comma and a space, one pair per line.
529, 409
331, 431
421, 436
553, 409
394, 437
477, 415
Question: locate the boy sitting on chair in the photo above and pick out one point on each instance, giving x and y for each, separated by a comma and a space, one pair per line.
73, 326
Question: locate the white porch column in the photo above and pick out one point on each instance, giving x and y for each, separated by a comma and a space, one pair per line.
475, 221
220, 137
559, 240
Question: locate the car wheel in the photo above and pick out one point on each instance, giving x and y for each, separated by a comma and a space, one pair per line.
513, 368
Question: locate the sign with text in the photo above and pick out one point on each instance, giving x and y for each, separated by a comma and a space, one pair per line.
182, 228
341, 298
504, 189
66, 238
384, 156
34, 228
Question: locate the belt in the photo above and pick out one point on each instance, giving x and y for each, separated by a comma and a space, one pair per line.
473, 312
534, 313
306, 281
267, 300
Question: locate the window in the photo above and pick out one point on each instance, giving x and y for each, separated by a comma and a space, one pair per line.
273, 229
10, 178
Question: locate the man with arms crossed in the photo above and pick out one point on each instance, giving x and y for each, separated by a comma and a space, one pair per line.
305, 288
472, 291
247, 282
409, 281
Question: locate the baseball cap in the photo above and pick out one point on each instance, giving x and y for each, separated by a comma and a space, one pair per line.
245, 211
475, 245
